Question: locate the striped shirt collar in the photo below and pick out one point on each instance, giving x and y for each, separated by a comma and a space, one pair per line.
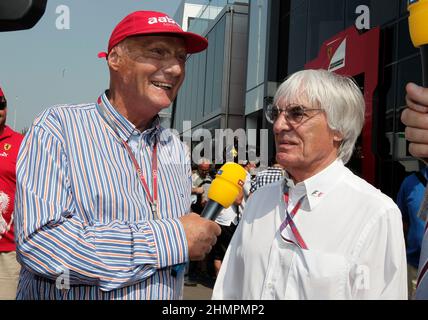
125, 128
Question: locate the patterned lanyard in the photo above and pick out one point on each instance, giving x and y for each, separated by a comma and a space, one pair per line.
289, 221
153, 199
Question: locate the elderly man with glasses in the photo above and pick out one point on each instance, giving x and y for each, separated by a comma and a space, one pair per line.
322, 232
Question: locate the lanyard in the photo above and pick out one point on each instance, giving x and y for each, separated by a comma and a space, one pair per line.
152, 199
289, 221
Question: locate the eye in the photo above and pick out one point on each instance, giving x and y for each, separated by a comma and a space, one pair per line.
182, 57
296, 112
157, 51
274, 112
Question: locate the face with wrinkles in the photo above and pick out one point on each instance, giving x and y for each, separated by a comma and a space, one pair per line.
151, 69
307, 147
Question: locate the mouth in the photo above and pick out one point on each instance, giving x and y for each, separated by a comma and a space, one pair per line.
162, 85
285, 146
288, 143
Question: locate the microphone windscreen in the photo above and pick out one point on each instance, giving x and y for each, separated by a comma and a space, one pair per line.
227, 184
418, 22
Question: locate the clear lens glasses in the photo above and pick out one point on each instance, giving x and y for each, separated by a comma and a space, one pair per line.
294, 113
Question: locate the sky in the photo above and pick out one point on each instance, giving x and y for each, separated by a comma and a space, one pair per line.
45, 66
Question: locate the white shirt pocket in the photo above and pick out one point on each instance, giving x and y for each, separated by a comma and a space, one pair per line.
316, 275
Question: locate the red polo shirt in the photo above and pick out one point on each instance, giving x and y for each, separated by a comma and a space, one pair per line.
9, 147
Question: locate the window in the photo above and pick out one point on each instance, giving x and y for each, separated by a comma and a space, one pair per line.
215, 61
326, 19
298, 33
257, 44
409, 70
405, 45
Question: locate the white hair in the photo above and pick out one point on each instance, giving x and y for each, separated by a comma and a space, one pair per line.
339, 96
203, 161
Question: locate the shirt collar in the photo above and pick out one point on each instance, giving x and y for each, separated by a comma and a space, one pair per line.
123, 126
317, 186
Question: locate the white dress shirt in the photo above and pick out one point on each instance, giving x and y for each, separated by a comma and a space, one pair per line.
353, 233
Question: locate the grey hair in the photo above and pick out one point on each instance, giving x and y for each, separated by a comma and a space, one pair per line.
337, 95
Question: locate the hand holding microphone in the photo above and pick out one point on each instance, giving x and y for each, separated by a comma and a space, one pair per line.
418, 27
415, 117
201, 231
201, 235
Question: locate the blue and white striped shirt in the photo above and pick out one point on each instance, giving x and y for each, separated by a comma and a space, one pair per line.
82, 214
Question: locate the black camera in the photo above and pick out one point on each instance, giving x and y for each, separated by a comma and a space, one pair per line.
20, 14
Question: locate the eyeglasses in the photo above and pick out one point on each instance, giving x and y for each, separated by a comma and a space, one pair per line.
3, 104
294, 113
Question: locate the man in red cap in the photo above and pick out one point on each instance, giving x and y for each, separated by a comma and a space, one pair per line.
103, 191
9, 146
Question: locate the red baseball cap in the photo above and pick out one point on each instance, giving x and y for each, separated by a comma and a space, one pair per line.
153, 22
1, 93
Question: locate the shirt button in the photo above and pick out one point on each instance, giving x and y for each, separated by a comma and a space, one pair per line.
270, 285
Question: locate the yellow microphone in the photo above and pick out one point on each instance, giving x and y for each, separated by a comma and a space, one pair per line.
224, 189
418, 27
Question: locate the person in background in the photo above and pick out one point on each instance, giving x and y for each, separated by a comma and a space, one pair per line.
322, 232
250, 167
415, 118
228, 220
201, 180
9, 147
409, 200
103, 191
272, 174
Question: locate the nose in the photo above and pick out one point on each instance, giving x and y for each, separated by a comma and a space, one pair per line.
281, 124
175, 67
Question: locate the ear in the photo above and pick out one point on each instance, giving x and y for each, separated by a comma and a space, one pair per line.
115, 58
337, 136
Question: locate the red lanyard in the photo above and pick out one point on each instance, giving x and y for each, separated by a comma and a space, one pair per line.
289, 221
153, 199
